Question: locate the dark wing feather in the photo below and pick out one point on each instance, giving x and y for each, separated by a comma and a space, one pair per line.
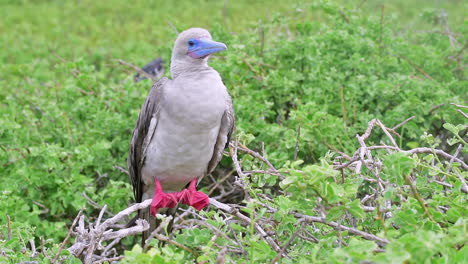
141, 136
224, 135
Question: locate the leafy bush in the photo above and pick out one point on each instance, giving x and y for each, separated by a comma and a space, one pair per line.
302, 89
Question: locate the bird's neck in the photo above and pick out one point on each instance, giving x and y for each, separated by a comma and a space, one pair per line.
179, 67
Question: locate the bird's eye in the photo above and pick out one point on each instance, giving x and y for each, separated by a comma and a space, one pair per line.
191, 43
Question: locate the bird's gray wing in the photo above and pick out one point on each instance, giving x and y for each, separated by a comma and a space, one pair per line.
142, 134
224, 135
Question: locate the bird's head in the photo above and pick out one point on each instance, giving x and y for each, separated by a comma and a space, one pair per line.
193, 47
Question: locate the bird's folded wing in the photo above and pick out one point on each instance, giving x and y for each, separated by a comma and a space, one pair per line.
224, 135
142, 134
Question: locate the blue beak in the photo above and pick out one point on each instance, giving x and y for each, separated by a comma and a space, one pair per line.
200, 48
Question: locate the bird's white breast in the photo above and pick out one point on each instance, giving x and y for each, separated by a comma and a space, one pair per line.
187, 129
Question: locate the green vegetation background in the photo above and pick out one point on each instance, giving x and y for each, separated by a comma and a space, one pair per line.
67, 108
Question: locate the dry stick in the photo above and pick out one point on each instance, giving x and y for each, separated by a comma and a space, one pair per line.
218, 183
444, 22
343, 108
307, 219
109, 260
438, 152
417, 67
43, 250
344, 155
458, 105
68, 235
138, 69
462, 113
354, 231
286, 245
235, 159
173, 27
117, 167
88, 239
221, 255
296, 149
177, 244
245, 219
45, 211
212, 228
459, 148
385, 130
435, 108
403, 123
8, 228
425, 150
94, 204
33, 248
141, 225
418, 197
464, 187
261, 35
258, 156
263, 172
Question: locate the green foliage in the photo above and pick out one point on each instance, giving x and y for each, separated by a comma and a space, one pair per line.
68, 109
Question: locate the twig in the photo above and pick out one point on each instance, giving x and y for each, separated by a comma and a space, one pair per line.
459, 105
117, 167
419, 69
109, 260
8, 228
418, 197
403, 123
286, 245
235, 212
33, 248
221, 255
258, 156
307, 219
45, 211
462, 113
421, 150
464, 187
343, 107
354, 231
43, 249
261, 36
218, 183
457, 151
68, 235
177, 244
173, 27
298, 137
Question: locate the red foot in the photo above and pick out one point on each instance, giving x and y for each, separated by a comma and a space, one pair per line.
191, 196
162, 199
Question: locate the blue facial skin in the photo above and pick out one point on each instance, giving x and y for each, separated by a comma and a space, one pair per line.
201, 48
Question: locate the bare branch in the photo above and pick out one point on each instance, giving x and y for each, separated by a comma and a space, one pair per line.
177, 244
68, 236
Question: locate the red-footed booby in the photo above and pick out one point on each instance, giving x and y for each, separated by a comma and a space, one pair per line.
183, 127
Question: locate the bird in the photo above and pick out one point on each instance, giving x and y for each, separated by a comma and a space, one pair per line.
182, 130
154, 68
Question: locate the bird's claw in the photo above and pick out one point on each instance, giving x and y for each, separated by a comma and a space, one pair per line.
189, 196
163, 200
194, 198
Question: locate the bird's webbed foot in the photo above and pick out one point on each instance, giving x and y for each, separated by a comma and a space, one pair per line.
192, 197
162, 199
